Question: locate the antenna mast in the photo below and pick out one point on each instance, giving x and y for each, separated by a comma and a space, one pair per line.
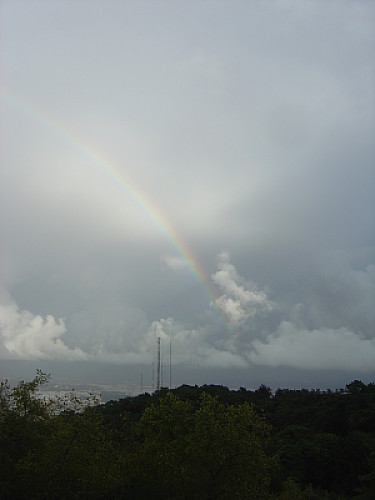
158, 365
170, 363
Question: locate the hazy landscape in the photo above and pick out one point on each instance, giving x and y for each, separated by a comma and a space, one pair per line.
115, 381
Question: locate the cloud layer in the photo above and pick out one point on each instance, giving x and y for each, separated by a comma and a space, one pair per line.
231, 340
338, 349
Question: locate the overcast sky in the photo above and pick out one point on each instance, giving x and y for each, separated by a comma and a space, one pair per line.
199, 171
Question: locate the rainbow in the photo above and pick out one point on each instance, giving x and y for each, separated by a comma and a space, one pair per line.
138, 197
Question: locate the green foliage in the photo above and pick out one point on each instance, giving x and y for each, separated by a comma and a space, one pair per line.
292, 491
324, 440
24, 422
226, 449
194, 442
44, 456
78, 457
21, 400
215, 451
158, 460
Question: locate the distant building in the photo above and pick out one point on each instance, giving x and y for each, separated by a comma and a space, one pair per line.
59, 401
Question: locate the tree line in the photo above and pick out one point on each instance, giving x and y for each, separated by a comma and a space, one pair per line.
205, 442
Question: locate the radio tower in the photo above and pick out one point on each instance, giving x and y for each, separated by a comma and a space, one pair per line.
170, 363
158, 365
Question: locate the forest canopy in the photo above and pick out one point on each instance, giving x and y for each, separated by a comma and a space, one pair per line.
191, 442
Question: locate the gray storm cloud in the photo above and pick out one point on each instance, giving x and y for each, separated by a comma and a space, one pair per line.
326, 348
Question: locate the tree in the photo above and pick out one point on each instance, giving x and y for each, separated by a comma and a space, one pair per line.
47, 456
22, 400
227, 451
215, 451
24, 424
158, 457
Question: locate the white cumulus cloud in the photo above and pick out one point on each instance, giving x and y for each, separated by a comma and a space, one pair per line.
240, 300
24, 335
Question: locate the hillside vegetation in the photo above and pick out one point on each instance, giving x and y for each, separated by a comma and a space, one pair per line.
204, 442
